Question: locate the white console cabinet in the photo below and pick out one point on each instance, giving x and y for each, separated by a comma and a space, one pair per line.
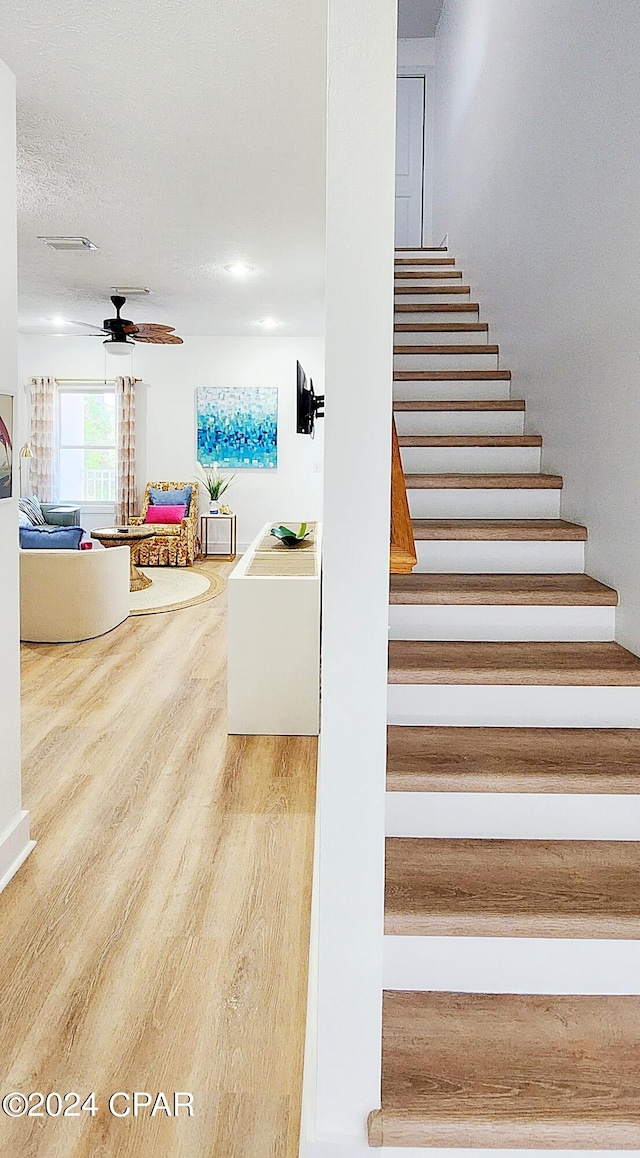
274, 637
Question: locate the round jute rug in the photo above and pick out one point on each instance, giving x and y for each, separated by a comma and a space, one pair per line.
174, 588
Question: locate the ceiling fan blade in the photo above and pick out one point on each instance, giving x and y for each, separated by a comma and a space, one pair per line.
142, 326
159, 339
157, 334
86, 325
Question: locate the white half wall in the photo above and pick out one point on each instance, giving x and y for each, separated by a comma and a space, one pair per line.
15, 843
166, 434
342, 1073
537, 183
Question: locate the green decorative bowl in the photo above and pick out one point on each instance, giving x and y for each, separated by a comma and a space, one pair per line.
289, 537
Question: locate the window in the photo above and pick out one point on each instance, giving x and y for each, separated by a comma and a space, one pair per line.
87, 445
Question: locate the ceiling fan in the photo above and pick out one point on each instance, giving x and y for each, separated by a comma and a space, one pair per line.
121, 331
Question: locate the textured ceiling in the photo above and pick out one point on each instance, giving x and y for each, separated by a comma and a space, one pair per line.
179, 137
418, 17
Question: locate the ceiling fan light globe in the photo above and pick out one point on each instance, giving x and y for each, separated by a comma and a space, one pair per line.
112, 347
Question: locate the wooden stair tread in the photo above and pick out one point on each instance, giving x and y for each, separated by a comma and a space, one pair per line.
431, 289
568, 760
483, 481
511, 1071
437, 307
461, 404
401, 262
441, 328
512, 888
503, 590
454, 376
523, 663
451, 349
436, 274
494, 440
471, 530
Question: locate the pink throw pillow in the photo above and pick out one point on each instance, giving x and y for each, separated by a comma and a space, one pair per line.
164, 514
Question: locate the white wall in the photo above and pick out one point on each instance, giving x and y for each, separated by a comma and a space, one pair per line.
418, 52
14, 824
342, 1076
538, 185
167, 418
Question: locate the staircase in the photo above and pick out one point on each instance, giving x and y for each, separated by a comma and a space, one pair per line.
512, 896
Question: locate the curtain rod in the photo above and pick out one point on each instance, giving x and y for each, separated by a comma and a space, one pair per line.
92, 380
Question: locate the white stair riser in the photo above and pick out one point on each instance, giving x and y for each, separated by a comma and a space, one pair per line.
484, 389
512, 816
417, 251
437, 318
404, 299
484, 504
458, 421
441, 337
510, 705
401, 283
512, 965
504, 557
420, 267
471, 459
486, 623
445, 361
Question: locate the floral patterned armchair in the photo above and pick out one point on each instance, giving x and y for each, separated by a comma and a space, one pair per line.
175, 544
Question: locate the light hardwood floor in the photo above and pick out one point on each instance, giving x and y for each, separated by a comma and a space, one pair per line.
157, 937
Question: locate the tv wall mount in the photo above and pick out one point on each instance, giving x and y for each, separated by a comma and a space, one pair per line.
309, 404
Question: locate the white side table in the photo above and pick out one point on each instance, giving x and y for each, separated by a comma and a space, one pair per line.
204, 535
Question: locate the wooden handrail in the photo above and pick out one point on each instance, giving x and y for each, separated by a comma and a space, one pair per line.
402, 554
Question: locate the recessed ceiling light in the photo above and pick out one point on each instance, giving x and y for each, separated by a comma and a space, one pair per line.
68, 242
59, 320
239, 268
269, 323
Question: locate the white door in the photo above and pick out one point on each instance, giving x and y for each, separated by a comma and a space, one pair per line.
410, 110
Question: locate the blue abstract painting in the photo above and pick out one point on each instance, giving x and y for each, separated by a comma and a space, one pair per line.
238, 426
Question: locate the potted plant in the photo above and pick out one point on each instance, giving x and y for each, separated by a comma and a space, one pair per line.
215, 483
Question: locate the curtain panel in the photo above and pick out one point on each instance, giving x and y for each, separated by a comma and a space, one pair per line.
43, 422
126, 496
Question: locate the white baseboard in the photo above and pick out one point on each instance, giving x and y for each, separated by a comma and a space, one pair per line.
345, 1149
15, 846
359, 1150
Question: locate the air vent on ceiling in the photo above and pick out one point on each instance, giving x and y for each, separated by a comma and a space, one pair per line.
130, 291
68, 242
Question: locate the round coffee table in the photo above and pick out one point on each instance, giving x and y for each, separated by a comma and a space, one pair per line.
115, 537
